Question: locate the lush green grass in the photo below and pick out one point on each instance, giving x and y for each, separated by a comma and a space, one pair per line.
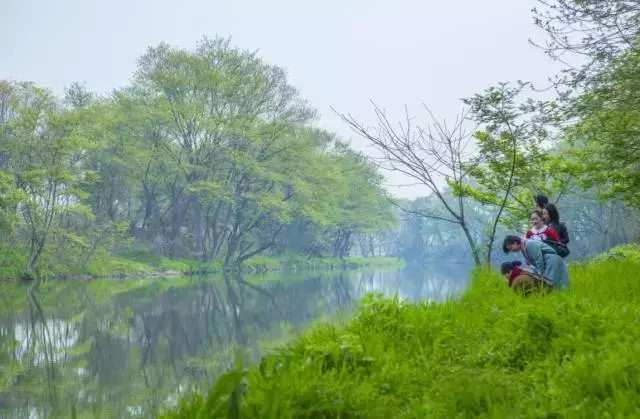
491, 353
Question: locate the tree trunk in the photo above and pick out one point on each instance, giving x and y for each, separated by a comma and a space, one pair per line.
472, 244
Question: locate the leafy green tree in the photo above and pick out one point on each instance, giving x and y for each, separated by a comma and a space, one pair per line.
9, 198
207, 155
113, 169
43, 149
361, 207
604, 141
224, 119
512, 163
239, 163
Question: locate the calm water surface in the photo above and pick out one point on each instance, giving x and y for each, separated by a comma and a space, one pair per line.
134, 353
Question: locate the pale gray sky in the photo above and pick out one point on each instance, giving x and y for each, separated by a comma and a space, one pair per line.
339, 53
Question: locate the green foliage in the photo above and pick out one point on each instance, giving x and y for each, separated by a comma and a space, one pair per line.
12, 260
629, 252
493, 353
605, 146
9, 198
103, 264
42, 146
513, 163
207, 158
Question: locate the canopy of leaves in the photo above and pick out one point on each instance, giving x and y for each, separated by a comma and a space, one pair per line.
605, 140
207, 155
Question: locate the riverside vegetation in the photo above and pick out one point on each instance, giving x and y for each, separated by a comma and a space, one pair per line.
208, 160
208, 156
142, 264
126, 348
491, 353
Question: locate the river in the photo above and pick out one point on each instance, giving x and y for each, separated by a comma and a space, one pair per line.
134, 352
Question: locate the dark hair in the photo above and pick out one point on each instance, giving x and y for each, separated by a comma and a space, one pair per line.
509, 266
510, 240
554, 217
541, 200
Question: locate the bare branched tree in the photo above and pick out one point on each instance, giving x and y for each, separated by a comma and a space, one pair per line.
596, 30
430, 155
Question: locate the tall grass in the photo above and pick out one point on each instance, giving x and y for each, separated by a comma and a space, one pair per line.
491, 353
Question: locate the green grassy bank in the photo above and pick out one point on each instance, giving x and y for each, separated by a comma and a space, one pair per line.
140, 263
490, 353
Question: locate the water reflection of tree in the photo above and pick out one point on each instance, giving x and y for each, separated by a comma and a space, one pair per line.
142, 348
29, 343
37, 318
187, 335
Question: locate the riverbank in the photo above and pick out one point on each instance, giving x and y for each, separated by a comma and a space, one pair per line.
13, 297
491, 353
141, 264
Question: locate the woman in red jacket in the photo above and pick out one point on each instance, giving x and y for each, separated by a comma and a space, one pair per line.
539, 230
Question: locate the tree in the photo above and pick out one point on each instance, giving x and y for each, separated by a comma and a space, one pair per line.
512, 163
9, 198
427, 154
361, 207
235, 162
596, 31
604, 140
43, 149
207, 155
224, 119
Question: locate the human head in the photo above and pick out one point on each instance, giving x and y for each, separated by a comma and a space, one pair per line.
551, 214
541, 201
507, 267
511, 244
536, 219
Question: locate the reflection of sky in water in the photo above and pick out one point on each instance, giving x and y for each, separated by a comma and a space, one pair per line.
160, 343
414, 286
30, 343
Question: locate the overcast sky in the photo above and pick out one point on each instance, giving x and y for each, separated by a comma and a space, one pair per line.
339, 53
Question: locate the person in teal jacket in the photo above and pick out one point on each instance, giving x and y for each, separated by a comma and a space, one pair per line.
542, 257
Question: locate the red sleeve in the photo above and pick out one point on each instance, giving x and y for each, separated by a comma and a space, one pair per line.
529, 234
552, 234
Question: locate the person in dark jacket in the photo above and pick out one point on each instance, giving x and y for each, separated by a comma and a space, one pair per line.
552, 219
522, 279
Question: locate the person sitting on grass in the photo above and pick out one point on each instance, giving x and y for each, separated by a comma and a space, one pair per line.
542, 257
523, 280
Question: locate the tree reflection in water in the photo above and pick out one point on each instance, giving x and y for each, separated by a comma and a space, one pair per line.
137, 352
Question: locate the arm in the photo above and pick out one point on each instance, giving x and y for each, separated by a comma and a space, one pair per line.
551, 234
533, 253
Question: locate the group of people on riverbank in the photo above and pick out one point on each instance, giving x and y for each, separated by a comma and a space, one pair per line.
543, 247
